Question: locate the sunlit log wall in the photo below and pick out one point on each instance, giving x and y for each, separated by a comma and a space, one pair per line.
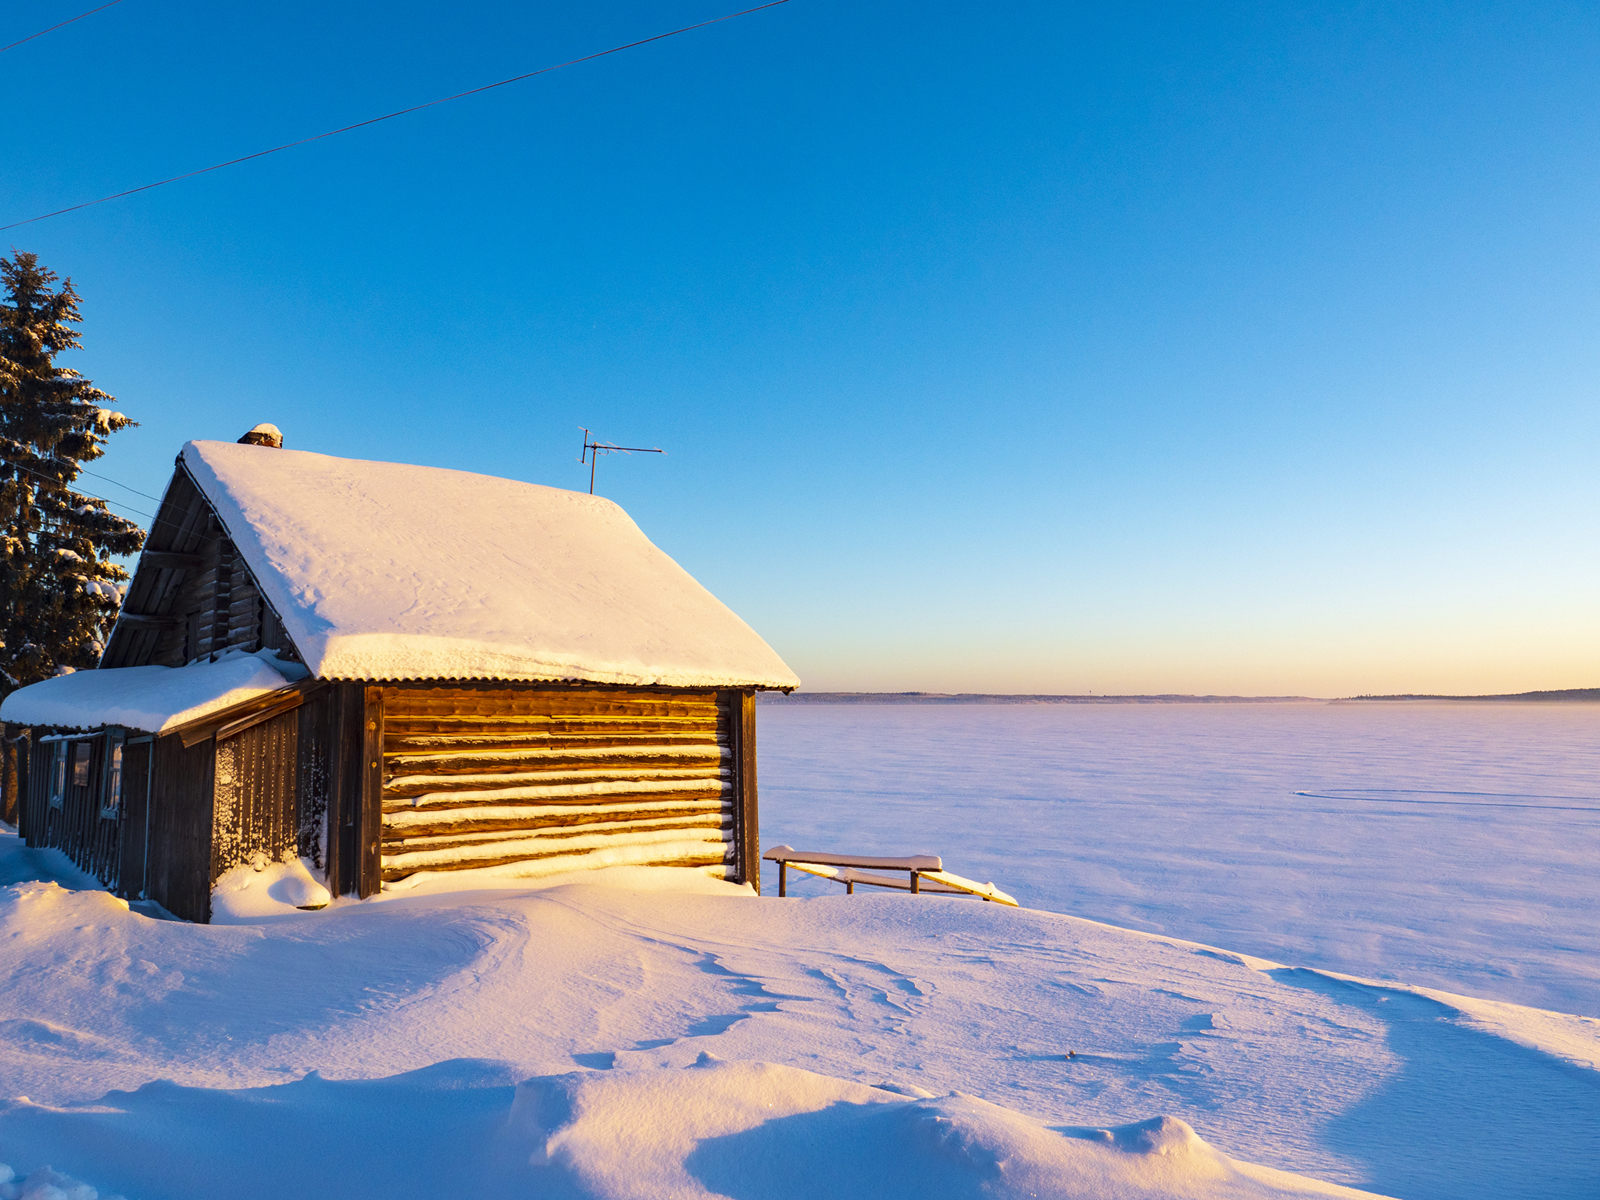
560, 779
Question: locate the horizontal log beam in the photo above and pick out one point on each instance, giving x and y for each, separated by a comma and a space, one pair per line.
718, 815
394, 874
429, 743
462, 838
494, 854
692, 775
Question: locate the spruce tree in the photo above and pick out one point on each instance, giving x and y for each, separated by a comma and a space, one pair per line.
59, 588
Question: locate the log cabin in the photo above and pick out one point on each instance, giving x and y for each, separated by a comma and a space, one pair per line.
384, 669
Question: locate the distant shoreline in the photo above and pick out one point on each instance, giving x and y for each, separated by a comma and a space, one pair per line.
1010, 698
1567, 696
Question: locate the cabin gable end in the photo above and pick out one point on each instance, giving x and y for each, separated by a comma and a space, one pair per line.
192, 596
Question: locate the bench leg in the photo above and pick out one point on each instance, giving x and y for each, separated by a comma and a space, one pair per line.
783, 880
849, 887
916, 880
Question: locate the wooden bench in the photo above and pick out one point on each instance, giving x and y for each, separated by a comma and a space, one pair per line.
925, 872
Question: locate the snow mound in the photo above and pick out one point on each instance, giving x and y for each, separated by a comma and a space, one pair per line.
753, 1128
705, 881
45, 1184
261, 888
151, 699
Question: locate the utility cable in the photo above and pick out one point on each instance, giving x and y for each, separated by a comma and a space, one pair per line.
398, 113
118, 482
68, 487
82, 470
53, 28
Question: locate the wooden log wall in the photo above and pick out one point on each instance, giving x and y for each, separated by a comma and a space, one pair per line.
556, 778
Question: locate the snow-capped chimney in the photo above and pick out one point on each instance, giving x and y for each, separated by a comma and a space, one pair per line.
264, 435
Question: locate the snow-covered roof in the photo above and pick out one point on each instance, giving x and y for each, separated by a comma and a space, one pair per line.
149, 699
391, 571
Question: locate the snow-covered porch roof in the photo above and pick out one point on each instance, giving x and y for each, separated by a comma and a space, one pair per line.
148, 699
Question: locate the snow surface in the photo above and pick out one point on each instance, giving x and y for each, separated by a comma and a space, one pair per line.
150, 699
391, 571
1450, 846
611, 1037
261, 888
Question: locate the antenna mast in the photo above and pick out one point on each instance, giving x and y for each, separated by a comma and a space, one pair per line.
592, 450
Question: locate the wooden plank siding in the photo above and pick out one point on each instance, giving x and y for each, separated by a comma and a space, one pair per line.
192, 595
255, 795
137, 760
485, 776
182, 805
747, 824
77, 825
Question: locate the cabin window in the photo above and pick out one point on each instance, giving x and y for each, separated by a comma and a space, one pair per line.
80, 763
58, 775
113, 804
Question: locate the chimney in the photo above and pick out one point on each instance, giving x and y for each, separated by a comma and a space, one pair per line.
264, 435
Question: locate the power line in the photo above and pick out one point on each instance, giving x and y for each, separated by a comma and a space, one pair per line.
53, 28
118, 482
67, 486
67, 462
398, 113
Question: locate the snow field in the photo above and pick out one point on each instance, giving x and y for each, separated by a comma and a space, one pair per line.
1447, 846
492, 1042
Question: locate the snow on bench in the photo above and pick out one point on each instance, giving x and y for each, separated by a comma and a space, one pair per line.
925, 872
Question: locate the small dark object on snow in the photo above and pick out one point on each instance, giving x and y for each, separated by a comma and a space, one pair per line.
1072, 1054
264, 435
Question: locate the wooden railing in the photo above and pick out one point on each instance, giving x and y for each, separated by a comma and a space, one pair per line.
924, 872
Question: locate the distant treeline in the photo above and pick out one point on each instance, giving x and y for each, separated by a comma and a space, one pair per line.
1007, 698
1567, 696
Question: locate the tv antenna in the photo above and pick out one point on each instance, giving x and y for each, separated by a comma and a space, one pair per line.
592, 451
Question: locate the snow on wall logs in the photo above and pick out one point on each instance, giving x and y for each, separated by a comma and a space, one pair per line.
557, 779
254, 794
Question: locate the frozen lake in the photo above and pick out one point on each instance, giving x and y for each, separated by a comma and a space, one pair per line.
1447, 845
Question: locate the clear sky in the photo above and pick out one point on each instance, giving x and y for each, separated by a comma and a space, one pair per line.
1000, 347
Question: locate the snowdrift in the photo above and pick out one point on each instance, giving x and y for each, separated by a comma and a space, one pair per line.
748, 1129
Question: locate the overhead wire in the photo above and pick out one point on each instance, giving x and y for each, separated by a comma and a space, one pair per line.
397, 113
57, 483
53, 28
118, 482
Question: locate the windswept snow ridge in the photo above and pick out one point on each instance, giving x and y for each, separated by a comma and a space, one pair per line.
755, 1129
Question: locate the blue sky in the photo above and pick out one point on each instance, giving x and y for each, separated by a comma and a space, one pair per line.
1017, 347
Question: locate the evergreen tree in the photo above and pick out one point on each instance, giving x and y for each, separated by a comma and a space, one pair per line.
59, 589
